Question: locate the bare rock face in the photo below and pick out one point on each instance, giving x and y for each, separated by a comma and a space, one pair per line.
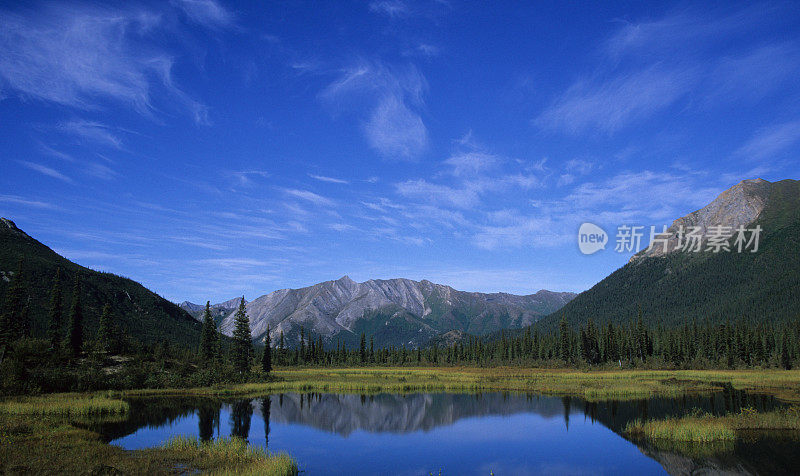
738, 206
397, 311
217, 310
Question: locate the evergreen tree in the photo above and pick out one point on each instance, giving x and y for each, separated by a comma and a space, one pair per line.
363, 348
266, 359
208, 336
592, 344
54, 327
372, 348
76, 320
11, 324
786, 360
242, 339
218, 337
104, 337
564, 340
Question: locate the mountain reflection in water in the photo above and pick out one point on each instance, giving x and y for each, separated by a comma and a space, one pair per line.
401, 426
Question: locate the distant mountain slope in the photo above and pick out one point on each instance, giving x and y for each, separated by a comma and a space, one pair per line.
679, 286
394, 311
141, 314
218, 311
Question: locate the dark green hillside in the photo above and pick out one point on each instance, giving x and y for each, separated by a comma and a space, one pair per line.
679, 287
141, 314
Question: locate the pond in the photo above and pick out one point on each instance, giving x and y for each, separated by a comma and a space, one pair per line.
420, 434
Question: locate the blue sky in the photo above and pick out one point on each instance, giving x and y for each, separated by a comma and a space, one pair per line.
210, 149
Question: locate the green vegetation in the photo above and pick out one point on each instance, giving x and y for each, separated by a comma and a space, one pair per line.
708, 428
727, 345
242, 350
143, 318
233, 454
593, 386
70, 405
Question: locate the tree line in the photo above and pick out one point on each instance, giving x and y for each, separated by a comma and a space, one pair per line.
69, 358
734, 344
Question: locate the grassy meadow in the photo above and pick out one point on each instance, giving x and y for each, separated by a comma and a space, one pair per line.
593, 386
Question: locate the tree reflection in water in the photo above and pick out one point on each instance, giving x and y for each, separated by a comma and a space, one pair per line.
241, 413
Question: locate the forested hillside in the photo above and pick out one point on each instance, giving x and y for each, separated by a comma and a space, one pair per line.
708, 287
140, 314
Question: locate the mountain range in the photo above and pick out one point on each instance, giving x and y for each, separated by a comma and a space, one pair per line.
668, 286
393, 311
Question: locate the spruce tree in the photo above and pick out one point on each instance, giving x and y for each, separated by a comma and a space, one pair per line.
564, 340
76, 320
786, 360
266, 359
54, 327
11, 324
208, 336
104, 337
242, 339
372, 348
363, 348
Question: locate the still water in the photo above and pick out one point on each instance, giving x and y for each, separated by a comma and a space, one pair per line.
420, 434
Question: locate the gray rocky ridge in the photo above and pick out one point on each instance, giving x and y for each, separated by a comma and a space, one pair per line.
740, 205
396, 311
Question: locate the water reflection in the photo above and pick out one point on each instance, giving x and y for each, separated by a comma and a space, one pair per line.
241, 413
389, 432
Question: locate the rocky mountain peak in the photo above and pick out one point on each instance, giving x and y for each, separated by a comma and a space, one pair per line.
397, 311
737, 206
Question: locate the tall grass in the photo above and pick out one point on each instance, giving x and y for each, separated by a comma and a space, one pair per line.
65, 404
593, 386
707, 428
233, 454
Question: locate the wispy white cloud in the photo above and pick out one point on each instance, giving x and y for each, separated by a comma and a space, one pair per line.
579, 166
405, 9
45, 170
236, 263
17, 200
645, 67
311, 197
645, 192
472, 163
421, 189
769, 141
245, 177
208, 13
342, 227
607, 106
323, 178
395, 130
93, 131
99, 171
393, 126
390, 8
683, 32
85, 166
753, 74
79, 56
